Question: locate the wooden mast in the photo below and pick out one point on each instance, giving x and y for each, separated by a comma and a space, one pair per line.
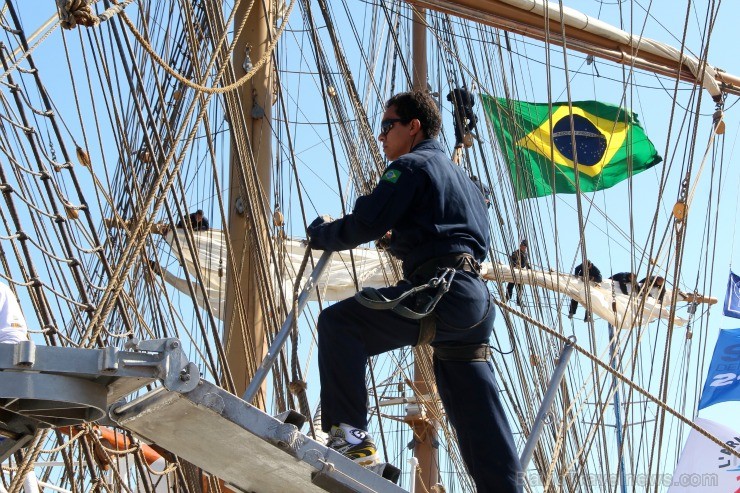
422, 423
251, 148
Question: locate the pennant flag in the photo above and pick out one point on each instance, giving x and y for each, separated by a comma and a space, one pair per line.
705, 466
610, 146
723, 378
732, 297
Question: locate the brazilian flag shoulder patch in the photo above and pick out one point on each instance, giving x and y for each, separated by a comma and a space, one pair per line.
392, 175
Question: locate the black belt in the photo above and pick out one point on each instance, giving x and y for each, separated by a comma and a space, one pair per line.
457, 261
473, 352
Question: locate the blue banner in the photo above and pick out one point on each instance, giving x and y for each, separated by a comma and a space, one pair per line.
723, 379
732, 297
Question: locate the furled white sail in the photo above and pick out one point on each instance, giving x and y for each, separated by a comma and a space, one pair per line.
607, 300
337, 283
372, 268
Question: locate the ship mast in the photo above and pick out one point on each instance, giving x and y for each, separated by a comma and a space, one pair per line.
251, 149
422, 423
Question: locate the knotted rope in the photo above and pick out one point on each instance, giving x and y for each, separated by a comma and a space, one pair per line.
79, 12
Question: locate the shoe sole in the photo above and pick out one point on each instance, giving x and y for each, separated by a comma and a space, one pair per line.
368, 461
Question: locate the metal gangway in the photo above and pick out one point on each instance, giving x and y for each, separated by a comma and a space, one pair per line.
47, 387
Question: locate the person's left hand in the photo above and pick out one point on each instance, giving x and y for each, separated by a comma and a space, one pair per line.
384, 242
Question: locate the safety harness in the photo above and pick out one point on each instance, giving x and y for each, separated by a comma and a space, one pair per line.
373, 299
427, 296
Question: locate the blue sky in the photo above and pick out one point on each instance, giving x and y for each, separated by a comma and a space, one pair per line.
653, 107
653, 102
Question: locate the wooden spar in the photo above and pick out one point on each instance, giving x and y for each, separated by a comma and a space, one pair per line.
503, 15
244, 323
423, 424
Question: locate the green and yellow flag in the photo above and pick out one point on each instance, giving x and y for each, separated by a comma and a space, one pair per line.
610, 146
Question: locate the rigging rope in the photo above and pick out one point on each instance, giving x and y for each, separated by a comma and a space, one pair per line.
214, 90
29, 460
297, 384
73, 12
660, 403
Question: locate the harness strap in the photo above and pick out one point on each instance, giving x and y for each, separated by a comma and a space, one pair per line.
427, 329
459, 261
473, 352
373, 299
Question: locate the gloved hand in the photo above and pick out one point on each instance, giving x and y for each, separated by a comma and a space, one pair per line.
314, 231
326, 218
384, 242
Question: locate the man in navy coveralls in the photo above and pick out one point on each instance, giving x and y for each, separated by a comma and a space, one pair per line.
437, 218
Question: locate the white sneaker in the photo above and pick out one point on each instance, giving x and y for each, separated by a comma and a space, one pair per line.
364, 453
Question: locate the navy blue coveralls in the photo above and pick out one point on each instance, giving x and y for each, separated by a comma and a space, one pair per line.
201, 225
625, 280
433, 210
519, 260
594, 275
649, 283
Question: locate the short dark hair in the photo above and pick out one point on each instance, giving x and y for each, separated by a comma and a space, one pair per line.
419, 105
199, 211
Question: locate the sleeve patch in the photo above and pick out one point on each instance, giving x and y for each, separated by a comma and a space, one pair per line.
392, 175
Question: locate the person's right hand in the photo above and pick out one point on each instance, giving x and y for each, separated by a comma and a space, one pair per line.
314, 231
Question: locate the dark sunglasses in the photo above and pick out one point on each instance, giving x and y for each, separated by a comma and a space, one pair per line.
387, 125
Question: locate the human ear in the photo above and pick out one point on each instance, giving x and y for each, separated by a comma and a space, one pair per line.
414, 126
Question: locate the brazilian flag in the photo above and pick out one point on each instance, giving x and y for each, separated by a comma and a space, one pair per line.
610, 146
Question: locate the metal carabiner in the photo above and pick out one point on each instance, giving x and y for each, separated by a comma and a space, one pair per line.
442, 279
